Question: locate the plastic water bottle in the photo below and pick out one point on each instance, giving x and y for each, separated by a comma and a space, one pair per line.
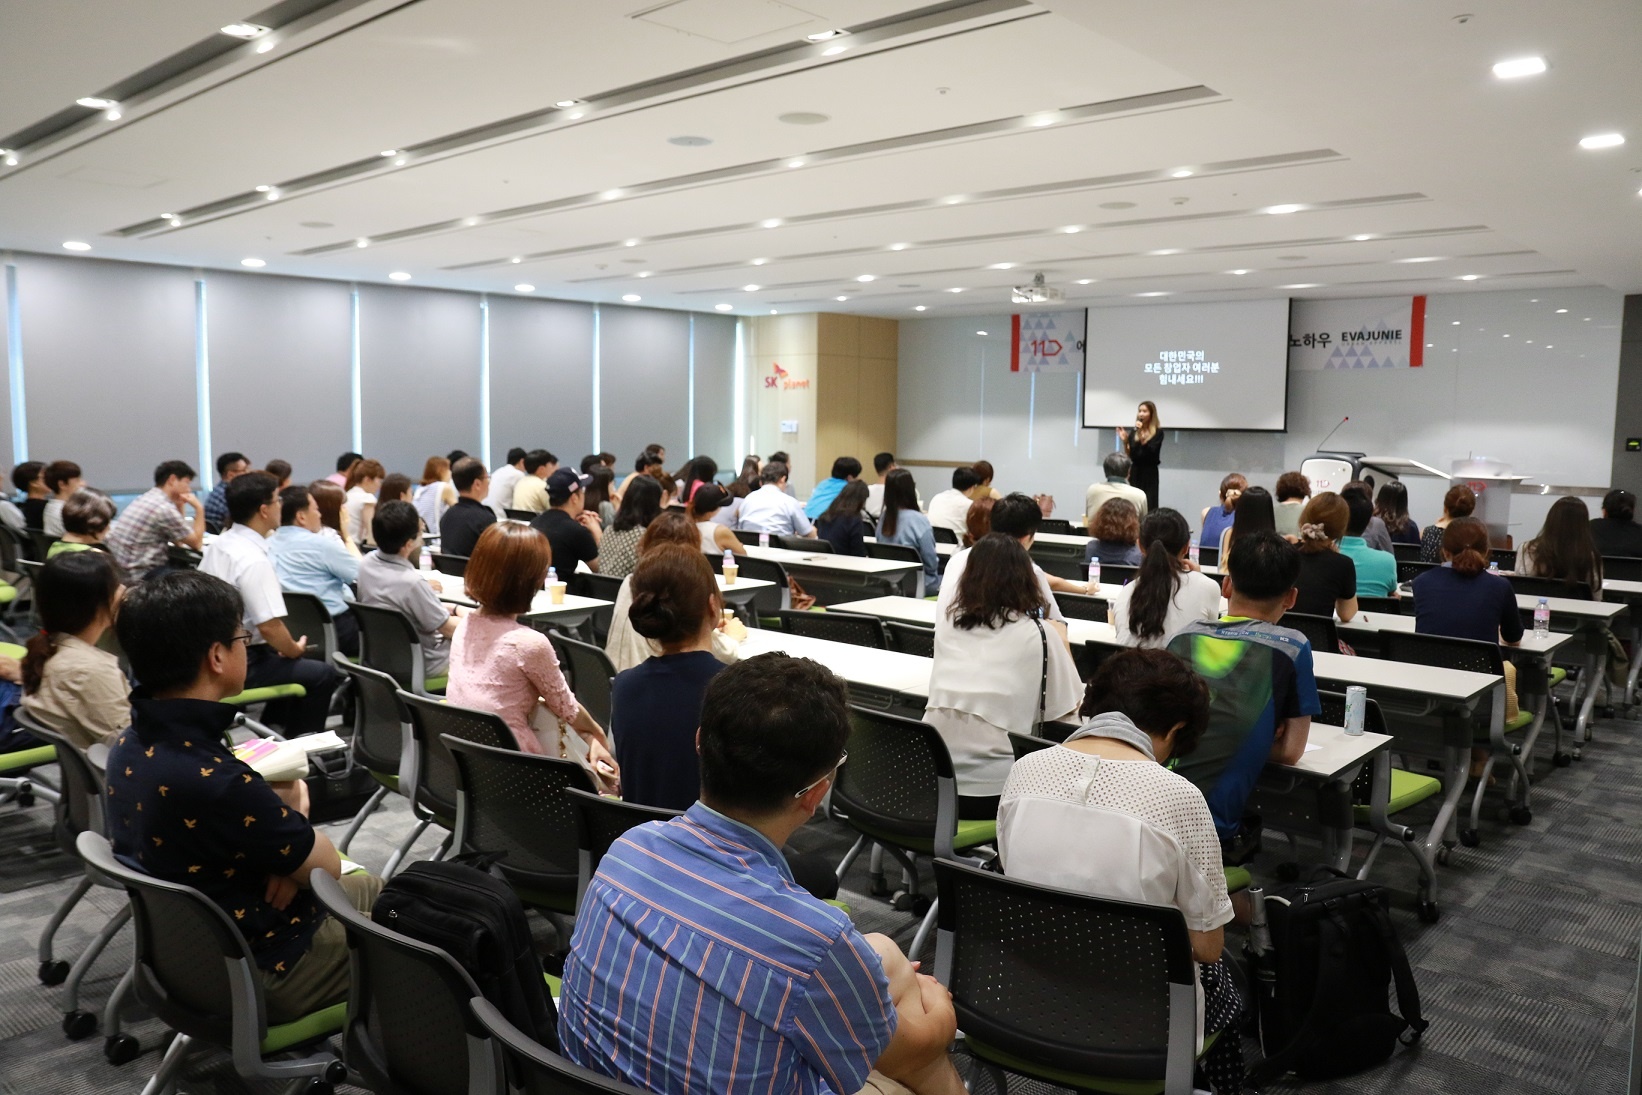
1542, 619
424, 560
1356, 705
763, 539
1194, 551
552, 576
729, 557
1094, 573
1493, 567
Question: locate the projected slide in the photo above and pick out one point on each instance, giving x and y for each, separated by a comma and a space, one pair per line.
1219, 366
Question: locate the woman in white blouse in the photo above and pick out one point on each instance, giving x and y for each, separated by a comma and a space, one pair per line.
1101, 815
359, 506
1000, 666
1169, 592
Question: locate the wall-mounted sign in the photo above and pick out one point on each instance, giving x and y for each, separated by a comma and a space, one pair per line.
782, 380
1379, 333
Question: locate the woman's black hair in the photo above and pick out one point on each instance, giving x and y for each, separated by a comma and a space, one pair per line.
703, 469
900, 492
998, 584
1391, 506
640, 503
851, 501
69, 592
1254, 513
597, 492
1162, 535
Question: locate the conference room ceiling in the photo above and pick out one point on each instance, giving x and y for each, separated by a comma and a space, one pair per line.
709, 154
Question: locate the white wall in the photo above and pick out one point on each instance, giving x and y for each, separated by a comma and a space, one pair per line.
1542, 399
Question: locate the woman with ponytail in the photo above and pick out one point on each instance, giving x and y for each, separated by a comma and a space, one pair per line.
1169, 591
1328, 580
69, 685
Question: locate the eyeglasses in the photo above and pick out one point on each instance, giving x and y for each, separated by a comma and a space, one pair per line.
808, 787
242, 637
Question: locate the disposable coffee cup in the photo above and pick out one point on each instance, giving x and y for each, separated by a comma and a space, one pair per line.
729, 574
555, 592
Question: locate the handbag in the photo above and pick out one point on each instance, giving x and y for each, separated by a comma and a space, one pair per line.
1043, 679
572, 746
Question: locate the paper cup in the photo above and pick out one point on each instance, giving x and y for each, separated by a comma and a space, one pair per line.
555, 592
729, 574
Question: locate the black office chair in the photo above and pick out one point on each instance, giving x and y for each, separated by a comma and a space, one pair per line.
381, 741
433, 790
524, 515
600, 822
40, 544
306, 614
1208, 556
454, 565
839, 627
1406, 553
1622, 568
1409, 569
1390, 605
1073, 570
1059, 526
766, 603
602, 586
589, 672
1077, 606
1505, 557
910, 638
895, 553
1114, 576
536, 1069
805, 543
1024, 744
388, 641
1320, 631
944, 535
747, 535
1525, 586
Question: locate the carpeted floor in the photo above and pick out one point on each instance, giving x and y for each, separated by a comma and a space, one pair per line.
1528, 979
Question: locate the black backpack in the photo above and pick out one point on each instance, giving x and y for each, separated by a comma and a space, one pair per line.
480, 922
1322, 991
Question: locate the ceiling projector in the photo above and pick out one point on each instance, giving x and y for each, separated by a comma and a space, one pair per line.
1037, 293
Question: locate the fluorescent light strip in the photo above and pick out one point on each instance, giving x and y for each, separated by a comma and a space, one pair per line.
356, 400
202, 383
14, 370
597, 446
484, 375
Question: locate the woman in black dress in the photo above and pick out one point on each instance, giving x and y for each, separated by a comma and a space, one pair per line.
1144, 444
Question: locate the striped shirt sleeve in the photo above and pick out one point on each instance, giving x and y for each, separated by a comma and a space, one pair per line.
843, 1018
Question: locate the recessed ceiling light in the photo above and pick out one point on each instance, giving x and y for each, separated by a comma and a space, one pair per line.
981, 333
272, 194
566, 104
1117, 205
265, 45
690, 141
263, 189
255, 264
795, 163
955, 199
642, 274
1183, 173
1469, 277
112, 114
524, 287
1085, 281
1302, 285
1454, 323
631, 298
918, 307
609, 195
772, 311
388, 153
723, 307
760, 262
576, 115
773, 222
1001, 266
1505, 336
1560, 311
1423, 258
244, 30
364, 241
1152, 294
1239, 273
954, 290
751, 288
399, 161
630, 243
1587, 319
169, 217
825, 35
864, 278
1520, 66
833, 51
1072, 229
76, 245
1287, 207
1041, 120
92, 102
897, 247
11, 158
471, 222
516, 260
803, 117
1361, 238
1165, 251
1596, 140
399, 275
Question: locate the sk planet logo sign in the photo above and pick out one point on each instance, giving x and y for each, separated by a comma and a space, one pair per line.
781, 379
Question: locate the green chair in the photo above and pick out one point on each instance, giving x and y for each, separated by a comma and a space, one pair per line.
16, 784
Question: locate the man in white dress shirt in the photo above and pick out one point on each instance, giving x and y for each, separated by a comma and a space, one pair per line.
950, 508
503, 480
770, 509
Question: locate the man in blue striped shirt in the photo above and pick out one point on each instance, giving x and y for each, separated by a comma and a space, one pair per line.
698, 967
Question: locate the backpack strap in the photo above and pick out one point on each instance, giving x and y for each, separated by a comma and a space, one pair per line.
1408, 995
1330, 965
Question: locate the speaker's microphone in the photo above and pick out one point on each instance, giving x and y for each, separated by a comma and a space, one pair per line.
1331, 433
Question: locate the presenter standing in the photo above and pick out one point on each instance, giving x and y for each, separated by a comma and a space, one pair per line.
1144, 444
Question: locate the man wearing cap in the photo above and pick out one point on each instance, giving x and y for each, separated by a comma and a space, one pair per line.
573, 534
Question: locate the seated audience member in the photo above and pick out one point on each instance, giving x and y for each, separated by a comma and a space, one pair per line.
1616, 532
1217, 519
343, 463
183, 809
530, 493
463, 524
771, 508
11, 516
985, 472
600, 499
573, 532
389, 578
154, 521
280, 470
69, 685
307, 561
993, 647
950, 508
1262, 692
883, 464
87, 516
1293, 489
1018, 517
62, 478
624, 645
1327, 585
456, 454
1169, 591
744, 484
843, 524
1252, 512
30, 478
1565, 550
704, 504
1147, 833
1377, 535
846, 469
669, 486
240, 557
1460, 501
502, 484
903, 524
699, 471
978, 523
329, 498
499, 664
795, 999
435, 494
1116, 466
640, 504
395, 488
785, 460
230, 466
1391, 507
1460, 598
1376, 570
364, 483
641, 466
1116, 528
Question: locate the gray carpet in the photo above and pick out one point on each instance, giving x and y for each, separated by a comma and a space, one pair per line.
1528, 979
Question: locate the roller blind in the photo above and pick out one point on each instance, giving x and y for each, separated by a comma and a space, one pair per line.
715, 388
644, 362
541, 377
419, 374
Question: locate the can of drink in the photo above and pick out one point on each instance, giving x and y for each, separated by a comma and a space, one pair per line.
1356, 706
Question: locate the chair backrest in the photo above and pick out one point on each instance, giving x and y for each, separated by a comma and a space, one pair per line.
1334, 713
40, 543
1058, 525
1319, 631
767, 601
14, 546
895, 553
409, 1025
1505, 557
602, 586
388, 641
430, 721
1022, 744
600, 822
514, 805
307, 615
910, 638
380, 721
1409, 569
589, 672
944, 535
80, 799
840, 627
536, 1069
1072, 569
747, 535
1550, 587
898, 778
454, 565
192, 968
805, 543
1390, 605
1443, 652
1406, 553
1208, 555
1077, 606
1065, 980
520, 514
1622, 568
1116, 574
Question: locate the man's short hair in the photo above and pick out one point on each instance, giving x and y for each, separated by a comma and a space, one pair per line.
1117, 465
1016, 515
279, 469
178, 468
780, 457
773, 472
770, 725
965, 479
229, 459
846, 467
456, 454
395, 524
515, 454
464, 473
646, 459
167, 625
1263, 566
1619, 505
248, 493
883, 462
590, 461
59, 472
345, 461
88, 512
536, 460
1362, 511
293, 500
25, 473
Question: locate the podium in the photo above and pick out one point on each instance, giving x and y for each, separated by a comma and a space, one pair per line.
1333, 470
1490, 480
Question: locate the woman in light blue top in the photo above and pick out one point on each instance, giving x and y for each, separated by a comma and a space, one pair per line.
902, 523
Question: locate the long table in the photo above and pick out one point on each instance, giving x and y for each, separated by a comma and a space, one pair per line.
871, 575
1630, 594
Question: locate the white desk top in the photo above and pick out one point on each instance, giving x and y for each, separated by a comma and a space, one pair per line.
1386, 621
917, 610
1330, 750
940, 547
453, 591
1566, 606
1422, 680
1620, 586
887, 669
854, 564
1067, 539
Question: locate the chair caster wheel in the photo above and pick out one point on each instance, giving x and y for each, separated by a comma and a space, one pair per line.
1443, 855
921, 904
25, 799
879, 886
1428, 912
1469, 838
79, 1024
1562, 760
902, 901
335, 1073
121, 1049
53, 973
1521, 815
